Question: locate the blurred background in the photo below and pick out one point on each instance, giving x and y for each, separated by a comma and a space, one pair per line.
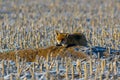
32, 23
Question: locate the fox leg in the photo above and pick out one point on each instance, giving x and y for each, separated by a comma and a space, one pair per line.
70, 45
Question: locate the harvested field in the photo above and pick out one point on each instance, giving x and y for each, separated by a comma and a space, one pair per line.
27, 39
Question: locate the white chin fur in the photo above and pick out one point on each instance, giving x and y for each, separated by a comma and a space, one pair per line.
58, 42
63, 44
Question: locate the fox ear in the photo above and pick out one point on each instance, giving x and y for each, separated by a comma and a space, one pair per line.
57, 32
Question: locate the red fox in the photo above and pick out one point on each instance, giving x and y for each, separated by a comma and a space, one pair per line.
67, 40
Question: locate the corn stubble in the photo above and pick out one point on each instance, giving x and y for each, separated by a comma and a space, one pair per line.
27, 29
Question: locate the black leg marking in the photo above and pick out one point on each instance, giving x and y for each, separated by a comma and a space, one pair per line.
58, 45
70, 45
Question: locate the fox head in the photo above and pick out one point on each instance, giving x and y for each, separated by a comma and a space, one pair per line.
61, 38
